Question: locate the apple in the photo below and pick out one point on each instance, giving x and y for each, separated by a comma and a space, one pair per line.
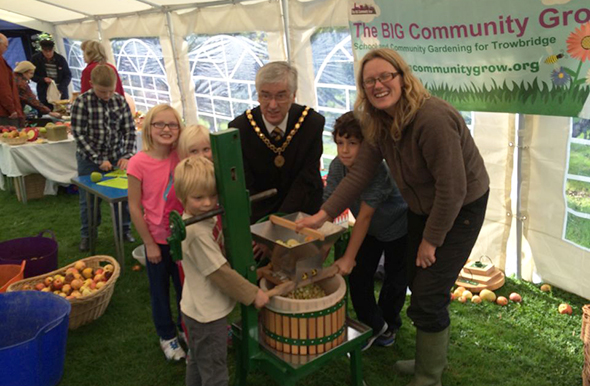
109, 268
100, 284
136, 267
487, 295
57, 284
87, 273
76, 284
502, 301
476, 299
63, 295
80, 265
95, 176
515, 297
12, 128
76, 294
32, 134
467, 294
69, 277
48, 280
40, 286
99, 277
546, 288
72, 270
462, 299
92, 285
42, 130
67, 289
564, 308
452, 296
99, 271
46, 289
27, 287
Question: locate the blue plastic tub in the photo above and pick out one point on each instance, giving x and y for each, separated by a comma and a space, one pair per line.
33, 334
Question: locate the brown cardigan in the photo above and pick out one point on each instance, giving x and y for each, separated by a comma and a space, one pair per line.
9, 99
435, 164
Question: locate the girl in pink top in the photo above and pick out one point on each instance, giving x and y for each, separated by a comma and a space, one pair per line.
151, 199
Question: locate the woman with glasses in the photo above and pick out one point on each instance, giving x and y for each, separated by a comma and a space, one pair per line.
441, 176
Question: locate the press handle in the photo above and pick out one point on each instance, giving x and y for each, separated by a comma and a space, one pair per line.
285, 223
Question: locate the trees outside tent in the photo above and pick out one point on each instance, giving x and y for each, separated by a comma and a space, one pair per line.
577, 186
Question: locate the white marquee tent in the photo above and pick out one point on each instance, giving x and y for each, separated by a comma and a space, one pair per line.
290, 30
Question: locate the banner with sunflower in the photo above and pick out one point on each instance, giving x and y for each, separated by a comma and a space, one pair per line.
525, 56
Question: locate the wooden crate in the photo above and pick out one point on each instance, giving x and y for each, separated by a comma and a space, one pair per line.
34, 187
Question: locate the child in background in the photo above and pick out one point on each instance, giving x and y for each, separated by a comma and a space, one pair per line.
104, 130
380, 228
151, 199
194, 140
212, 287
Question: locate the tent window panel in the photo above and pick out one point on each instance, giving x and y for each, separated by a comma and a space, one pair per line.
222, 108
220, 89
223, 69
577, 186
75, 58
332, 98
579, 159
141, 66
334, 82
204, 105
240, 91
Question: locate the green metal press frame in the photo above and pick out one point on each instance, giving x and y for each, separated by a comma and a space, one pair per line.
235, 208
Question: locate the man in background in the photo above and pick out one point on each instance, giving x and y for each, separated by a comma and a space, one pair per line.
50, 66
10, 107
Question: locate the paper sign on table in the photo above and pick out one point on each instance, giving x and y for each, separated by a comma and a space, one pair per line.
117, 173
118, 183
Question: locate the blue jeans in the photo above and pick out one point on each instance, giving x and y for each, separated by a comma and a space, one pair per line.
86, 167
159, 277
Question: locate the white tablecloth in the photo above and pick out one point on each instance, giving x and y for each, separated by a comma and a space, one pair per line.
56, 161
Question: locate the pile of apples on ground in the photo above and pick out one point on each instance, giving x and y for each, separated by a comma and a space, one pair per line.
31, 133
79, 281
462, 295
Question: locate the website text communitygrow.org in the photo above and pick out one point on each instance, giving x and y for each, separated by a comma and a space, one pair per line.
476, 70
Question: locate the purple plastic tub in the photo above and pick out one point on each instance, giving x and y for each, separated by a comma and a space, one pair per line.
39, 252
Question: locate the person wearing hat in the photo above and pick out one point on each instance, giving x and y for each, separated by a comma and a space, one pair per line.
10, 109
50, 66
24, 72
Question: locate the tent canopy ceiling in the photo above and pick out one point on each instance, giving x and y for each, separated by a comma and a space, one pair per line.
29, 12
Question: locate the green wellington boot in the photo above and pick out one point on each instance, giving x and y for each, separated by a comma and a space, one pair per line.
431, 358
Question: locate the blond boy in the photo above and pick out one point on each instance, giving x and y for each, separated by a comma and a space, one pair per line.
194, 140
211, 286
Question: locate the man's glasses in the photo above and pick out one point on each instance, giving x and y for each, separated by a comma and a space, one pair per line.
385, 77
281, 97
161, 125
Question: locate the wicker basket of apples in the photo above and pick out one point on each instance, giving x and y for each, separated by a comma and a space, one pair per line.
88, 284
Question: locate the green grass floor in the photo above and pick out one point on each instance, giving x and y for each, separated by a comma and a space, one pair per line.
528, 344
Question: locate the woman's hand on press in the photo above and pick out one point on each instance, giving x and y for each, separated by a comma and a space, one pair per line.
55, 114
426, 254
315, 221
153, 253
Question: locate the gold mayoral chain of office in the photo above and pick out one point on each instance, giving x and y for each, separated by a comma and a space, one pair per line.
279, 159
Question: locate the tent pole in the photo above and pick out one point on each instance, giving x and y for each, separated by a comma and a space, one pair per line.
519, 217
175, 54
99, 29
285, 15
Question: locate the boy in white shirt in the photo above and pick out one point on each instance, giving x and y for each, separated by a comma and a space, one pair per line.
211, 286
